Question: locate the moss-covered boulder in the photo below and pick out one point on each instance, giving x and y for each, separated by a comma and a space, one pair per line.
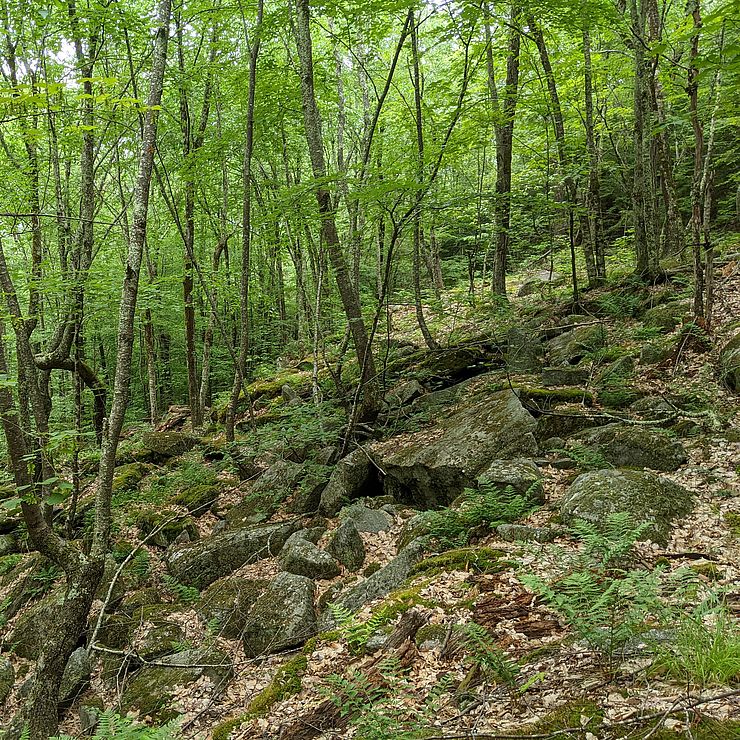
631, 446
226, 604
565, 376
347, 546
201, 563
665, 317
153, 691
572, 346
432, 467
283, 617
169, 527
354, 476
198, 499
164, 445
27, 636
524, 351
648, 498
729, 364
657, 352
127, 477
8, 544
303, 558
379, 584
159, 638
366, 519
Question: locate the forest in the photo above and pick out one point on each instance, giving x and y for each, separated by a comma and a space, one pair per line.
370, 369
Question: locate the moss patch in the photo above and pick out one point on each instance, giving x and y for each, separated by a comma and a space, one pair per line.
478, 559
197, 499
285, 683
732, 520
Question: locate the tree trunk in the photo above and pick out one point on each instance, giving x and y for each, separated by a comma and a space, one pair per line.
314, 139
504, 151
240, 371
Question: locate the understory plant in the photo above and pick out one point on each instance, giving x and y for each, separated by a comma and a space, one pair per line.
597, 592
486, 507
112, 726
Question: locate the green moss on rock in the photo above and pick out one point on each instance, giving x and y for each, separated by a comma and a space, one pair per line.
478, 559
197, 499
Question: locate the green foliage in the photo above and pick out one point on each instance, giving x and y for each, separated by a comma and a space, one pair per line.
357, 632
112, 726
705, 650
484, 653
184, 594
486, 507
619, 305
378, 706
8, 562
604, 601
586, 458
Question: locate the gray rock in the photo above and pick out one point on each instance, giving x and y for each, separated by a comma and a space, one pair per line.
729, 364
630, 446
89, 714
27, 635
283, 617
347, 546
226, 604
366, 519
7, 679
303, 558
76, 675
572, 346
354, 476
288, 393
647, 497
539, 281
525, 352
521, 475
201, 563
154, 689
380, 583
159, 639
523, 533
403, 393
621, 368
163, 445
654, 408
568, 376
434, 466
666, 317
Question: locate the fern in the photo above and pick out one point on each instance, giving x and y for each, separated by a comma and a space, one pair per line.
184, 594
356, 632
112, 726
489, 657
487, 507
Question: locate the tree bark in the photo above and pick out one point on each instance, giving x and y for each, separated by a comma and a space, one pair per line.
314, 139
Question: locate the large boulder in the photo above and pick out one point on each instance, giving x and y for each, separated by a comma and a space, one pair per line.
201, 563
572, 346
631, 446
76, 675
163, 445
431, 468
226, 604
301, 557
666, 317
367, 519
347, 546
354, 476
646, 497
729, 364
27, 636
539, 281
155, 690
283, 617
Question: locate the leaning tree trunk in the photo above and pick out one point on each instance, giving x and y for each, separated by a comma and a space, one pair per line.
347, 291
